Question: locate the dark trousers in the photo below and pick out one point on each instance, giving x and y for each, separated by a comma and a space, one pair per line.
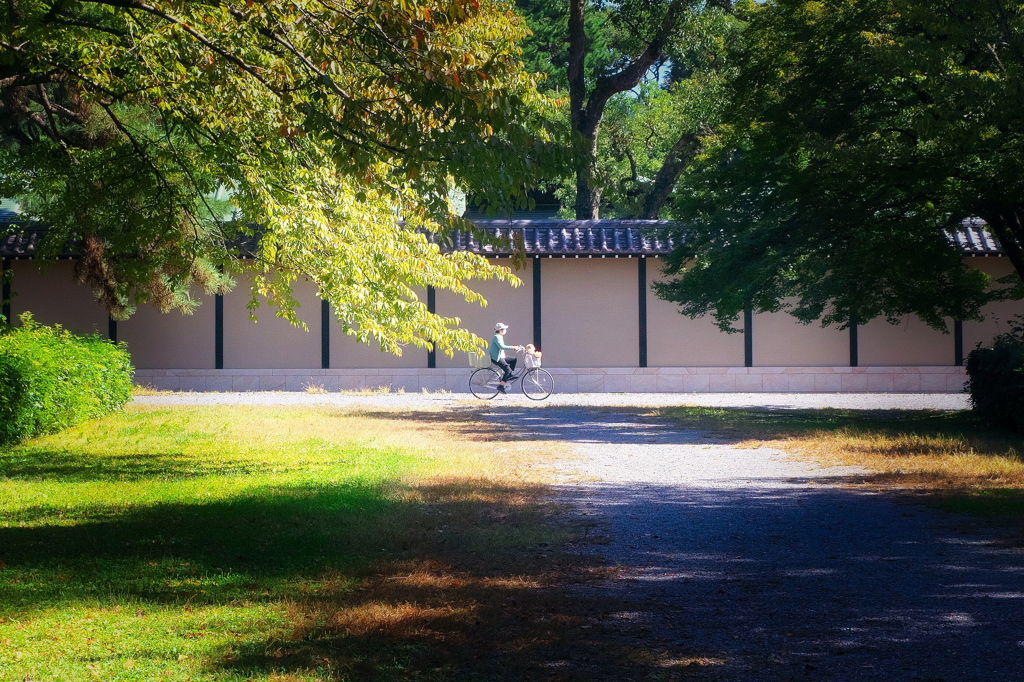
508, 366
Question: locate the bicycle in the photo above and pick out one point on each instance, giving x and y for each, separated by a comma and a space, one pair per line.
537, 383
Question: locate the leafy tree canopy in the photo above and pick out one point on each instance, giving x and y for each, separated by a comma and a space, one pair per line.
859, 132
546, 48
651, 136
334, 128
639, 81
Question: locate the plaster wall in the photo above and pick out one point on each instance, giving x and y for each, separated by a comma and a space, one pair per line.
589, 312
911, 342
780, 340
513, 306
347, 353
54, 297
158, 340
998, 314
271, 342
674, 340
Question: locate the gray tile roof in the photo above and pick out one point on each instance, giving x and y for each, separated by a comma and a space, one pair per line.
572, 237
540, 238
974, 239
22, 243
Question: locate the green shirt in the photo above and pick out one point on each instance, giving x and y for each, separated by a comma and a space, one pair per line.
498, 348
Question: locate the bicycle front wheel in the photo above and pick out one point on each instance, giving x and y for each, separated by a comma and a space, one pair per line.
537, 383
484, 383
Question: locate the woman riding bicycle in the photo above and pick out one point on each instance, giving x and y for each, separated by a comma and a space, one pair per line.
497, 352
499, 374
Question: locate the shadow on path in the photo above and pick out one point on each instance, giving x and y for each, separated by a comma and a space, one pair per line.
749, 559
569, 424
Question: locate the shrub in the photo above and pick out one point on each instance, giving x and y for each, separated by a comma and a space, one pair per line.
51, 379
997, 380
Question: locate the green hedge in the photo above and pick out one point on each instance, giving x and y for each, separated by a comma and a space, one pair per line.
997, 380
51, 379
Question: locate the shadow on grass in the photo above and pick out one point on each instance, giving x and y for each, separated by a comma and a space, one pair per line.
768, 582
462, 580
282, 532
68, 466
471, 580
441, 625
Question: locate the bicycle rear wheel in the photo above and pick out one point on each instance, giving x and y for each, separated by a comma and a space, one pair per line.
537, 383
484, 383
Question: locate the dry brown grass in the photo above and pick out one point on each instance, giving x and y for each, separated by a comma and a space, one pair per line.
371, 390
908, 449
477, 588
947, 459
147, 390
911, 460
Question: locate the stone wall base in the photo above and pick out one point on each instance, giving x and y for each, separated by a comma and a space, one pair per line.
576, 380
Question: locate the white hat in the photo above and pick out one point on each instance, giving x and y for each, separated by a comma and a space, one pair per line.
498, 327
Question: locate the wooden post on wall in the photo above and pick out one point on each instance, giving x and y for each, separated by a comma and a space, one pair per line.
854, 350
537, 340
218, 331
958, 343
641, 271
325, 334
432, 309
748, 338
5, 296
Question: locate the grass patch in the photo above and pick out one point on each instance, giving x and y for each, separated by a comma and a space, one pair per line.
949, 456
253, 543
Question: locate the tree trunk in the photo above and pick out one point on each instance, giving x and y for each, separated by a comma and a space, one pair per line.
588, 195
587, 206
681, 154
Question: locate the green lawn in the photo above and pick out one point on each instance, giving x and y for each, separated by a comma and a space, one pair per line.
243, 543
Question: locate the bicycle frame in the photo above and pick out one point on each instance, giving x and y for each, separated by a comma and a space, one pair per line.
488, 385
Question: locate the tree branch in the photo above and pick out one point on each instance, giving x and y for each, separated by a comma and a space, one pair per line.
54, 130
139, 149
52, 107
66, 21
631, 74
577, 55
21, 80
19, 49
681, 154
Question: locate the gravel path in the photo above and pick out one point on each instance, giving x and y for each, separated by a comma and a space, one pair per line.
853, 401
742, 565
